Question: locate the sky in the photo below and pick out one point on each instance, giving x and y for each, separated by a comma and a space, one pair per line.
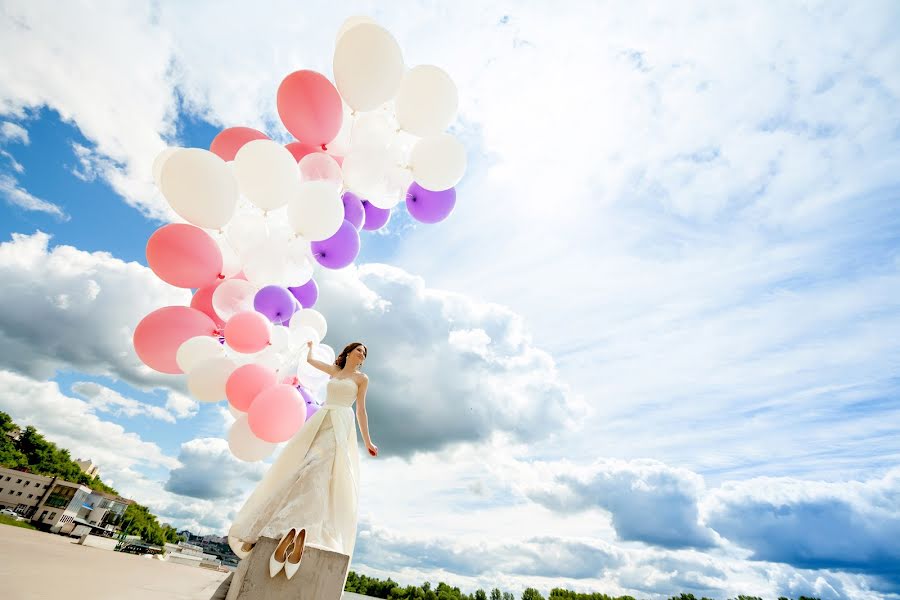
653, 349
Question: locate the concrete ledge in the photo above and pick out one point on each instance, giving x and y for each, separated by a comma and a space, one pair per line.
96, 541
321, 575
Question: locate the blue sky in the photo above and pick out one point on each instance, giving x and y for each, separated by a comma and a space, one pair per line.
658, 326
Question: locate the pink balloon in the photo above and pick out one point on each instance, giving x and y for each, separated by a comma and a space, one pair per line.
277, 413
247, 332
184, 256
299, 149
230, 140
246, 383
202, 301
159, 335
310, 107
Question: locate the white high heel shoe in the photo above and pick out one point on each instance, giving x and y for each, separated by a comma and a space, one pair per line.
292, 564
240, 548
276, 561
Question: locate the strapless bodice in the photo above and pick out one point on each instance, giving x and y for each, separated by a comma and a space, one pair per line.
341, 393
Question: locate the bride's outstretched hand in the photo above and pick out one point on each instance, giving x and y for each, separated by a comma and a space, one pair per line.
373, 449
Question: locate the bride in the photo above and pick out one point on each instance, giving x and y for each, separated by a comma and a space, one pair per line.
310, 493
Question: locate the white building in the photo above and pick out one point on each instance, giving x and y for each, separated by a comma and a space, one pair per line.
89, 468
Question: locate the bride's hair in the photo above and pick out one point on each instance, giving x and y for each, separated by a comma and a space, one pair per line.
341, 360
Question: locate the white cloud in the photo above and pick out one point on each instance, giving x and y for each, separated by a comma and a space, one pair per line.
103, 399
72, 423
89, 305
181, 406
18, 196
13, 132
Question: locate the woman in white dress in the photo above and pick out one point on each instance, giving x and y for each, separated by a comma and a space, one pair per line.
313, 486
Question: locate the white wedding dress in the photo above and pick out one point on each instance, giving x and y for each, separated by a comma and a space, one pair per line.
314, 483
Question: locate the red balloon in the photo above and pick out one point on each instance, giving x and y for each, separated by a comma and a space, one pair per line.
159, 335
310, 107
230, 140
184, 256
299, 149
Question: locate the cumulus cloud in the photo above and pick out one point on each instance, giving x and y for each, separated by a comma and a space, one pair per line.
210, 471
13, 132
432, 380
851, 526
72, 423
181, 405
89, 304
102, 399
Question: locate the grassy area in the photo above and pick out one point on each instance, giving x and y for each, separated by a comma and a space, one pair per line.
5, 520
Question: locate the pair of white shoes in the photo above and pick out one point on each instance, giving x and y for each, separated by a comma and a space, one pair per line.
288, 553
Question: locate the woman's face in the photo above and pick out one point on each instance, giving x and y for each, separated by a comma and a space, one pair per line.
357, 355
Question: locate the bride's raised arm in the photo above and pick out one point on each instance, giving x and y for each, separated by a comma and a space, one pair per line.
322, 366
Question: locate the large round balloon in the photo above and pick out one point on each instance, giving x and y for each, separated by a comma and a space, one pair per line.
197, 350
247, 332
311, 318
306, 294
184, 256
310, 107
233, 296
365, 170
317, 212
159, 335
340, 250
376, 218
266, 173
277, 413
368, 66
247, 382
206, 381
246, 446
200, 187
351, 22
353, 210
438, 162
427, 101
427, 206
298, 149
227, 143
247, 231
274, 302
319, 166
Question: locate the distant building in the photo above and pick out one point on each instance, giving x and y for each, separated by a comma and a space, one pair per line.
59, 505
215, 539
89, 468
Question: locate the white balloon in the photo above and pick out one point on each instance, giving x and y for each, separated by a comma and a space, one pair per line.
340, 145
264, 264
160, 160
365, 170
271, 359
397, 184
206, 380
200, 187
196, 350
368, 66
319, 166
351, 22
279, 339
377, 128
246, 231
246, 446
317, 212
231, 262
311, 318
438, 162
237, 414
233, 296
298, 262
266, 173
301, 334
426, 101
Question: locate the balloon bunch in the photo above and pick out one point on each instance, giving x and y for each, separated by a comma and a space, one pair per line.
262, 217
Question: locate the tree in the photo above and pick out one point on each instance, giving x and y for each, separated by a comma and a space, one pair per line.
496, 595
480, 595
531, 594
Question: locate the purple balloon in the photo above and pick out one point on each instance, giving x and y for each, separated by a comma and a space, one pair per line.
275, 302
376, 218
353, 210
428, 206
306, 294
339, 250
311, 405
